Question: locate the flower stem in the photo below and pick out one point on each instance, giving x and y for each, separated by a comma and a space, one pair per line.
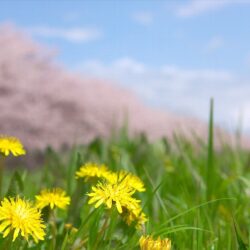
53, 228
104, 227
2, 163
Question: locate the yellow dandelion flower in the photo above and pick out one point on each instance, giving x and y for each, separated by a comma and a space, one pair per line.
92, 170
135, 215
11, 145
117, 194
55, 197
148, 243
128, 178
69, 226
20, 216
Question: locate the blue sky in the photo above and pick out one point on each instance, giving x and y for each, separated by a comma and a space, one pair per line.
174, 54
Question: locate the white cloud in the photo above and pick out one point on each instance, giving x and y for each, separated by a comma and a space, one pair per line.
128, 64
196, 7
143, 17
125, 65
182, 90
76, 34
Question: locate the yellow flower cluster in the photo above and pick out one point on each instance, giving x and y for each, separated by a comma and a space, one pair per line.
24, 217
11, 145
148, 243
93, 170
116, 189
19, 216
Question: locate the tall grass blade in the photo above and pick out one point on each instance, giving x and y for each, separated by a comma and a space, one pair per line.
210, 153
241, 244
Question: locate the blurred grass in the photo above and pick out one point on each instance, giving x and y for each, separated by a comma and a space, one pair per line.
197, 197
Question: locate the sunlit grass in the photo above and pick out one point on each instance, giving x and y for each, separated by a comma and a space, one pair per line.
194, 196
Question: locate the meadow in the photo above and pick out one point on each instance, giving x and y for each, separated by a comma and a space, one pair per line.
195, 196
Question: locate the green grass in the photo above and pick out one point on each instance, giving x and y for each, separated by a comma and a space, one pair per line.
197, 197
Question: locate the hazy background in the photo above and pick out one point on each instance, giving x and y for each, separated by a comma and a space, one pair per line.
174, 54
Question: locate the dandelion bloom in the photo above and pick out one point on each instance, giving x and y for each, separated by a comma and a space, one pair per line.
117, 194
11, 145
92, 170
70, 227
136, 216
128, 178
20, 216
148, 243
55, 197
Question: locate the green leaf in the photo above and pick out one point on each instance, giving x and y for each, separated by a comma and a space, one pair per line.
16, 185
241, 244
